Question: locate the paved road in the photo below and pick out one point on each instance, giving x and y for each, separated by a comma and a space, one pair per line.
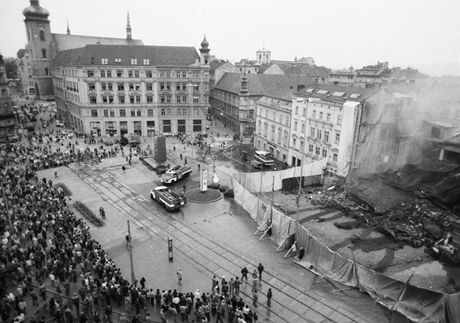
205, 252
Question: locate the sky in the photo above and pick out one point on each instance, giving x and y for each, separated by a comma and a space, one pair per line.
423, 34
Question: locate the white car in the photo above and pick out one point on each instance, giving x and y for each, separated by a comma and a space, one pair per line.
59, 124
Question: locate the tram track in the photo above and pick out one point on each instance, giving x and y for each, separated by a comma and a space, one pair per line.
165, 227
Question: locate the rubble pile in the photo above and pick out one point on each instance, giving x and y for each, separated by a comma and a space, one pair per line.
417, 222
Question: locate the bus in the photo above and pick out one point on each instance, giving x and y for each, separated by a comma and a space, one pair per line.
264, 157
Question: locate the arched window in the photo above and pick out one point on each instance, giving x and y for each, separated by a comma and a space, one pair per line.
42, 35
44, 53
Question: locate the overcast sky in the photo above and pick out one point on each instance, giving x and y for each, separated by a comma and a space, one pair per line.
336, 33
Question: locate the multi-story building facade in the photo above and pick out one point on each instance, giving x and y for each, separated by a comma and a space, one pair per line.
43, 46
324, 124
7, 116
273, 125
25, 71
233, 98
141, 90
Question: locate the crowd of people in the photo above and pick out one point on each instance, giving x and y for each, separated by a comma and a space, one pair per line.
51, 268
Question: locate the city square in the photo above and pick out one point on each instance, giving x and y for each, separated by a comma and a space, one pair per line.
144, 182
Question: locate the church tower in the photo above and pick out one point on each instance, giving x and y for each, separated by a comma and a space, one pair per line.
39, 40
204, 50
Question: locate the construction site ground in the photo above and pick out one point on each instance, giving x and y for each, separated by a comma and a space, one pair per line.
367, 246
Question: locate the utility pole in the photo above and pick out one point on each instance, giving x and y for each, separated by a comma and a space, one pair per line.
130, 250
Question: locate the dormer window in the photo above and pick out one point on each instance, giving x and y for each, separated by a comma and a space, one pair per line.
104, 61
133, 61
146, 61
118, 60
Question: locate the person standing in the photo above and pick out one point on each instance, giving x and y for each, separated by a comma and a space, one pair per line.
244, 274
179, 276
237, 285
269, 297
255, 297
260, 268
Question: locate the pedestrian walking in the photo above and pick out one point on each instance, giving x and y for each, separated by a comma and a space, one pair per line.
269, 297
179, 276
237, 285
260, 268
124, 169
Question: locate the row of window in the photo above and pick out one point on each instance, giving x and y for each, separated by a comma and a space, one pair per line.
135, 99
134, 73
138, 112
134, 86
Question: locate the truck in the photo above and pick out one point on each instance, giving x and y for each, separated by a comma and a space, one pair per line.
167, 198
175, 174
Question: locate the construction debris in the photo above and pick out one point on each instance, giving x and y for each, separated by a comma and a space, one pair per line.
418, 223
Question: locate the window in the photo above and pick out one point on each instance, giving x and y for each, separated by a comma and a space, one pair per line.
177, 98
146, 61
168, 112
136, 73
133, 61
151, 123
197, 125
297, 110
178, 111
196, 99
133, 113
162, 99
118, 60
120, 87
119, 73
163, 112
303, 128
328, 117
304, 112
130, 73
121, 99
295, 125
138, 99
110, 99
149, 99
294, 142
105, 99
94, 113
42, 35
310, 148
131, 100
181, 126
149, 112
334, 157
137, 87
122, 113
312, 132
104, 86
313, 115
321, 116
166, 125
162, 86
46, 71
104, 61
178, 86
92, 99
149, 74
184, 111
337, 138
320, 134
112, 113
43, 53
317, 150
106, 113
326, 136
168, 99
138, 113
324, 153
149, 86
339, 119
90, 73
168, 86
103, 74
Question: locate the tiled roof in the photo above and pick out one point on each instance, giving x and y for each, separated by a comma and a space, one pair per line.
121, 55
64, 41
279, 86
216, 64
325, 92
294, 68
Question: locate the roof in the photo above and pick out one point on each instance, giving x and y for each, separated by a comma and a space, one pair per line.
274, 85
216, 64
336, 93
64, 41
293, 68
157, 55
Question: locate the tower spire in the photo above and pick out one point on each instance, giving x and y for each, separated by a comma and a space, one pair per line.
68, 29
128, 29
